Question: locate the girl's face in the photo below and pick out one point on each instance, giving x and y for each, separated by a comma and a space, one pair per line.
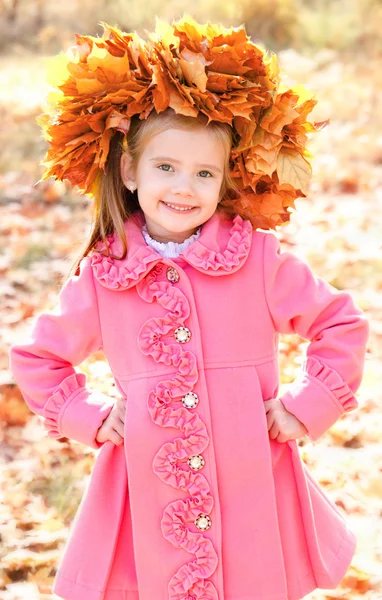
182, 168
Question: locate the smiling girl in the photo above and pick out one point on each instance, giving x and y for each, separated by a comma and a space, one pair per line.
181, 173
198, 491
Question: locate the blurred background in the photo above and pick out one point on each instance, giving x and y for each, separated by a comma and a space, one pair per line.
332, 47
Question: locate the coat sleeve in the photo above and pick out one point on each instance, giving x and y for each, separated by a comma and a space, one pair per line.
43, 365
337, 329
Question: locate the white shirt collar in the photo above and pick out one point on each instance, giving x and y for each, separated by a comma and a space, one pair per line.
169, 249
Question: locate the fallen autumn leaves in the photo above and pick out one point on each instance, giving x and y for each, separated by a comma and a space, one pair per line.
337, 229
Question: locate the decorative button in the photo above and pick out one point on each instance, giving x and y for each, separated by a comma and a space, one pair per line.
196, 462
190, 400
172, 275
203, 522
182, 334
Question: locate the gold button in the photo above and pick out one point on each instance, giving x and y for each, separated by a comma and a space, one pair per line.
182, 334
172, 275
196, 462
203, 522
190, 400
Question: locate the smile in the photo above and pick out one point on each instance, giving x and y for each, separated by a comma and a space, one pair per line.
178, 208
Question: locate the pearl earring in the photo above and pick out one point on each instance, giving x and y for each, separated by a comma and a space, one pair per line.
131, 188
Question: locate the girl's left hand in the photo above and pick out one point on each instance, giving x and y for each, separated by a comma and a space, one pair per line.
282, 425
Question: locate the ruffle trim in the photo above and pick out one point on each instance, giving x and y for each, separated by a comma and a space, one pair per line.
170, 463
70, 385
233, 256
332, 380
122, 274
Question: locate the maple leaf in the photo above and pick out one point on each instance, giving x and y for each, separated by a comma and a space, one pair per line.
193, 69
293, 169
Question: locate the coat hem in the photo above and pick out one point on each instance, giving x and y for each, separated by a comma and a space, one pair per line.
73, 590
342, 559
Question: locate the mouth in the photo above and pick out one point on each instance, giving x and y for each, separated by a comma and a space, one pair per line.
179, 208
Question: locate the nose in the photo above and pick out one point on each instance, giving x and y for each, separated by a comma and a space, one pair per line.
182, 186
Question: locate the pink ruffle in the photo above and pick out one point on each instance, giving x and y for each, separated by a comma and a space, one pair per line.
332, 380
231, 258
201, 590
170, 463
52, 409
122, 274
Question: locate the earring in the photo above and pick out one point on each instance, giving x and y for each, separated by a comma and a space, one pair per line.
131, 188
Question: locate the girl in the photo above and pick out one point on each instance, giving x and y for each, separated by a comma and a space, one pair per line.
198, 491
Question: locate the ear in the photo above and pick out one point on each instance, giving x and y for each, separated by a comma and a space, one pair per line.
127, 172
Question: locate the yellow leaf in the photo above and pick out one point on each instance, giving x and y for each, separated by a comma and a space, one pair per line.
303, 93
164, 31
292, 168
273, 66
116, 69
56, 69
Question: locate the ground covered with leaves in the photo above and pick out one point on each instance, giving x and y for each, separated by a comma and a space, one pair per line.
336, 229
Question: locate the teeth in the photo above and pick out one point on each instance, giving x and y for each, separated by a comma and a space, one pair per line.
177, 207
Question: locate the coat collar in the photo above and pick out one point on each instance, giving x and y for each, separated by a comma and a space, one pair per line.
222, 248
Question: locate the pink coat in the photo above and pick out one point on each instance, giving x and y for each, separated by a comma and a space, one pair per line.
193, 345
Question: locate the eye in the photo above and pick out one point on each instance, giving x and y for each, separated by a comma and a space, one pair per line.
167, 170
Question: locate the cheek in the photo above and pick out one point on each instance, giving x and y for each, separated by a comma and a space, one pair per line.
213, 190
150, 185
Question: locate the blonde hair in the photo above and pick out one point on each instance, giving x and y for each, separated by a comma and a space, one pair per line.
114, 203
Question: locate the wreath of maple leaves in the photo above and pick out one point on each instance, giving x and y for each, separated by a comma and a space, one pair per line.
102, 82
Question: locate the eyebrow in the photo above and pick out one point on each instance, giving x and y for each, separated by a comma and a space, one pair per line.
174, 160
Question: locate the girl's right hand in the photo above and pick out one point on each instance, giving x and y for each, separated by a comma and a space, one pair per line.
113, 426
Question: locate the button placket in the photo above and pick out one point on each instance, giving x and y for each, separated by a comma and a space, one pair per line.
197, 483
